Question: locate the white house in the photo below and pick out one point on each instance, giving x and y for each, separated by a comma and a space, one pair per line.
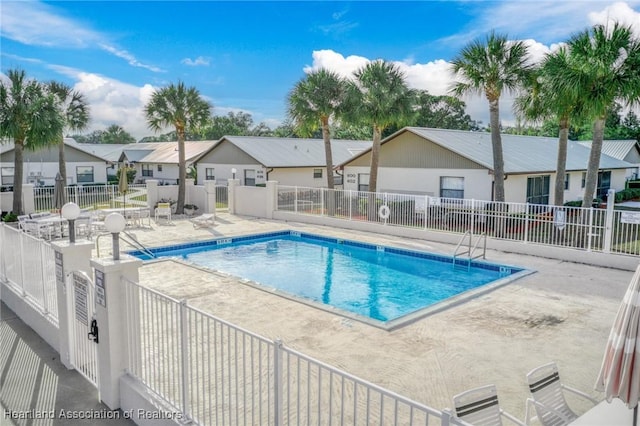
290, 161
159, 160
40, 166
459, 164
625, 150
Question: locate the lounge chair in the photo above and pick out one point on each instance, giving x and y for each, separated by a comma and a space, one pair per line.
480, 407
203, 221
163, 211
547, 397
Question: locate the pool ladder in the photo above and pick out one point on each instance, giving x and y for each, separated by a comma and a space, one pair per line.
468, 249
129, 239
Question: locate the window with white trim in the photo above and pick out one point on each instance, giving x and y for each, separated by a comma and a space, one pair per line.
451, 187
317, 173
84, 174
209, 173
147, 170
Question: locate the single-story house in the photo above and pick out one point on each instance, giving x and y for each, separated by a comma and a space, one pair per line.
459, 164
159, 160
626, 150
290, 161
41, 165
109, 152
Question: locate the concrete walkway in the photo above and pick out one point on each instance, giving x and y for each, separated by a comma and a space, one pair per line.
36, 389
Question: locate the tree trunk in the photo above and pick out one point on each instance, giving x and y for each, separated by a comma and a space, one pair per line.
62, 166
594, 162
18, 164
561, 165
496, 143
326, 137
182, 174
375, 159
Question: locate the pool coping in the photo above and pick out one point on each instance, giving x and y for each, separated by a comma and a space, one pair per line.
389, 325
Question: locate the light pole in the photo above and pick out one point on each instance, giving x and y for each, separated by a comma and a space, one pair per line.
233, 173
115, 223
71, 211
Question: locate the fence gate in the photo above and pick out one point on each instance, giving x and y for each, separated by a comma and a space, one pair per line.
84, 332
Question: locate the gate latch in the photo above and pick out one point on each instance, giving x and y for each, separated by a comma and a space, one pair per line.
93, 331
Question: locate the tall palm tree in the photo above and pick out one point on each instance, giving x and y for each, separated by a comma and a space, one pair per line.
379, 97
603, 67
115, 134
546, 99
312, 103
28, 115
183, 108
492, 67
75, 111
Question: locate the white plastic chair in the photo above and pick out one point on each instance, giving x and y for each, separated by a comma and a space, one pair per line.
480, 407
163, 211
203, 221
547, 397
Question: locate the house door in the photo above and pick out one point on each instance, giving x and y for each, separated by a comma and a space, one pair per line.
604, 184
84, 354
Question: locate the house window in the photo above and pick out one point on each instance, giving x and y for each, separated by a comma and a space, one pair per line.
566, 181
147, 170
250, 178
84, 174
538, 190
209, 173
451, 187
6, 175
584, 180
363, 181
159, 167
604, 183
317, 173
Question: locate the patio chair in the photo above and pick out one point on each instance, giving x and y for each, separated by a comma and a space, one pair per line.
203, 221
547, 397
163, 211
480, 407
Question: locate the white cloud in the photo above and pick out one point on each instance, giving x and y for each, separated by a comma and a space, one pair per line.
620, 12
111, 101
200, 60
36, 23
336, 62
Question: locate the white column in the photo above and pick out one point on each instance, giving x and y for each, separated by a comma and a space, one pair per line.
210, 196
608, 229
233, 184
152, 194
28, 199
69, 258
189, 185
113, 349
272, 197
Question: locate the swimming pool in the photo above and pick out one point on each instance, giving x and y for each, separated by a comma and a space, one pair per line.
385, 286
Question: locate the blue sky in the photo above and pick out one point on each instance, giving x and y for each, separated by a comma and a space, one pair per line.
247, 55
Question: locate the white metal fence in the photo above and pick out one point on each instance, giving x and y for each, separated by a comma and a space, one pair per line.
216, 373
573, 227
28, 266
92, 196
222, 197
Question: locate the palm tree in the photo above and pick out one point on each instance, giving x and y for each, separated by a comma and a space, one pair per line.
312, 103
28, 115
183, 108
603, 67
545, 99
379, 97
115, 134
492, 67
75, 111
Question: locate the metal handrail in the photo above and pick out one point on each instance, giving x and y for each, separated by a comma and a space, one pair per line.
470, 250
135, 244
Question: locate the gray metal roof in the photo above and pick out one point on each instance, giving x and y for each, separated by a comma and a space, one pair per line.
615, 148
295, 152
7, 146
522, 154
163, 152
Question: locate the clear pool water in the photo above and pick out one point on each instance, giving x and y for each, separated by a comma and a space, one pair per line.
381, 283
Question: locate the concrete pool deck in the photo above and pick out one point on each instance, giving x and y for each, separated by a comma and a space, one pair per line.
561, 313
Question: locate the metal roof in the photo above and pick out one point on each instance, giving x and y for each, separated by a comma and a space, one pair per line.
295, 152
163, 152
522, 154
86, 148
615, 148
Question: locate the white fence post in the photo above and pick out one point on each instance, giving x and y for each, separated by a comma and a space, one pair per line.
608, 229
210, 196
272, 197
526, 222
233, 184
111, 314
295, 199
277, 374
184, 350
68, 258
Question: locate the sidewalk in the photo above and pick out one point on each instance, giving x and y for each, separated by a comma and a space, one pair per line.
35, 384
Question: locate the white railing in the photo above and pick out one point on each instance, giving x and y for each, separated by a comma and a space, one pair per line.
29, 268
214, 372
92, 196
574, 227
